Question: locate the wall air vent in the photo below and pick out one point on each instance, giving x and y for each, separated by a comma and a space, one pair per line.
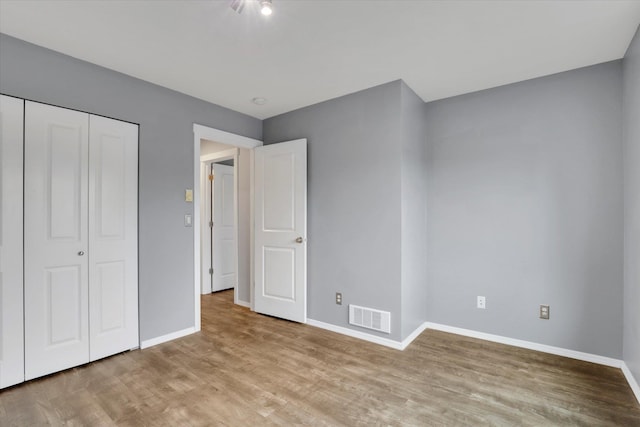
370, 318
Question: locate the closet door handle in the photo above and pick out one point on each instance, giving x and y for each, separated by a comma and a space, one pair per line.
80, 253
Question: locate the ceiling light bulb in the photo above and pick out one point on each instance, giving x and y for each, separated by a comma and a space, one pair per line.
265, 7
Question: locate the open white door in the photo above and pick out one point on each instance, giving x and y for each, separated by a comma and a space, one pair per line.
224, 229
281, 230
11, 288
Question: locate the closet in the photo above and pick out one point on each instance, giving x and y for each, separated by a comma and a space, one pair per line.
79, 293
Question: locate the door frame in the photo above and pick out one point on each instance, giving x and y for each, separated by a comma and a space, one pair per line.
205, 162
201, 132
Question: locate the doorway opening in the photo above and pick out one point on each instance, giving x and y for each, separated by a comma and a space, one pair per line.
219, 210
212, 147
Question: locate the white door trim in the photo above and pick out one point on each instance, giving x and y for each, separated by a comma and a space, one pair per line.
232, 153
205, 132
217, 135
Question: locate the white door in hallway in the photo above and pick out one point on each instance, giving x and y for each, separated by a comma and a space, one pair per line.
224, 228
55, 239
281, 230
113, 236
11, 287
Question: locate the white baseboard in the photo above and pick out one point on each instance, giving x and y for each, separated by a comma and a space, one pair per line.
368, 337
559, 351
631, 380
587, 357
413, 335
243, 303
168, 337
356, 334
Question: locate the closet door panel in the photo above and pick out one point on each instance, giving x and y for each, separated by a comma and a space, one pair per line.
113, 236
56, 239
11, 287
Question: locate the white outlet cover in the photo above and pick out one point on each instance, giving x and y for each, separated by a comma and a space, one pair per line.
481, 302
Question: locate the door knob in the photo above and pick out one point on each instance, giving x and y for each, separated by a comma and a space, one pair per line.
80, 253
299, 240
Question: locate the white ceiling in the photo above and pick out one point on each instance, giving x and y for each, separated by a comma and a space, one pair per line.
311, 51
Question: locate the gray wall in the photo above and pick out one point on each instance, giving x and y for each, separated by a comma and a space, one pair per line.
525, 208
165, 156
414, 214
521, 185
353, 201
631, 108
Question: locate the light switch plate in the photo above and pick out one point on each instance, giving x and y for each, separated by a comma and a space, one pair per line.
187, 220
188, 195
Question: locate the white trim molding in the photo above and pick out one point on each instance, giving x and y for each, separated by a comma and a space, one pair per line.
355, 334
165, 338
559, 351
219, 155
368, 337
243, 303
217, 135
631, 380
413, 335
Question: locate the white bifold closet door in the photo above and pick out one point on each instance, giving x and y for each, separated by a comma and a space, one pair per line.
11, 314
56, 239
80, 238
113, 237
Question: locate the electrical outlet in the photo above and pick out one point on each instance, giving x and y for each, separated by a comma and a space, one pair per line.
482, 302
544, 312
338, 298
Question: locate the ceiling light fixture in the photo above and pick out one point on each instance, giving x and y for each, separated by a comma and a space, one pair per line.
266, 8
259, 101
237, 5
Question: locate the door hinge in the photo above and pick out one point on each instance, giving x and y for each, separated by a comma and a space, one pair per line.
210, 177
210, 224
211, 271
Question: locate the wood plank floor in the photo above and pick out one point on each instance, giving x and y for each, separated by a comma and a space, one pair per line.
245, 369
